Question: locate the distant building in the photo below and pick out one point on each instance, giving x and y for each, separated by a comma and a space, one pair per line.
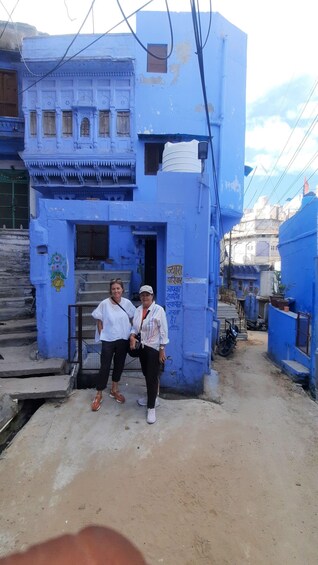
254, 241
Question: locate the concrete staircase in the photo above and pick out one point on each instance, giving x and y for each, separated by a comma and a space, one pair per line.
230, 312
16, 298
92, 286
23, 374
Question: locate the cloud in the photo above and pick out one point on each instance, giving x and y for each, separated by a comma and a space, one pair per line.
282, 131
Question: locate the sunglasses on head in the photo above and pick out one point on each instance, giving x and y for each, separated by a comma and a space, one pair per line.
115, 280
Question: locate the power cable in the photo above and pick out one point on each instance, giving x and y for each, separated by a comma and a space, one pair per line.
138, 40
288, 139
302, 172
10, 16
199, 53
67, 12
295, 154
84, 48
209, 27
254, 171
70, 45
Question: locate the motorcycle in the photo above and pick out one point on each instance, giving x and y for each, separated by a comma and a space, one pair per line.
227, 342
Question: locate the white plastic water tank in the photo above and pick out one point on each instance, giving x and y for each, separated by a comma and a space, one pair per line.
181, 157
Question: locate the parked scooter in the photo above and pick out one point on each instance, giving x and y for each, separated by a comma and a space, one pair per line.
227, 342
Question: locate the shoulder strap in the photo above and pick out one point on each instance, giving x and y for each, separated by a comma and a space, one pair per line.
120, 307
143, 319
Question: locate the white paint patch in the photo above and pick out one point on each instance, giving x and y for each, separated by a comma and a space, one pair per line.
233, 185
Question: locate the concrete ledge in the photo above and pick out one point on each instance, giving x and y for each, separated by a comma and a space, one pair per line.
25, 367
57, 386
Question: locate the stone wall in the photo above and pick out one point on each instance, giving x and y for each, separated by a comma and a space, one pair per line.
15, 287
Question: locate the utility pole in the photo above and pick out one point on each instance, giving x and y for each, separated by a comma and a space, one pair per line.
229, 273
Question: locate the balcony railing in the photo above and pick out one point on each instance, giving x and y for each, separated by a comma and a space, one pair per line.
11, 127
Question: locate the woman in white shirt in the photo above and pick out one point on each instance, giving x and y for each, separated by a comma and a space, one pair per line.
113, 317
150, 322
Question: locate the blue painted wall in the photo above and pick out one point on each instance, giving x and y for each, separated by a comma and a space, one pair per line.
94, 180
173, 102
298, 240
185, 289
298, 250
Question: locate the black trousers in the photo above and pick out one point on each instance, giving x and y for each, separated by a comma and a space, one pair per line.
116, 350
150, 366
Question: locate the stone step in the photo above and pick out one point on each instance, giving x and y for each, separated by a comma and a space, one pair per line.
15, 292
56, 386
102, 275
19, 338
9, 367
229, 312
298, 372
103, 286
16, 326
95, 295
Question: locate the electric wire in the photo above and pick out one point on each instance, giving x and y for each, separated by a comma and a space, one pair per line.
295, 154
196, 29
67, 12
84, 48
138, 40
254, 171
302, 172
10, 16
288, 139
209, 26
279, 112
18, 38
70, 45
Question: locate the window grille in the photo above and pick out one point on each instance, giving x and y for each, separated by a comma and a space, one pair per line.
67, 123
85, 127
155, 65
49, 124
8, 93
123, 124
104, 123
33, 123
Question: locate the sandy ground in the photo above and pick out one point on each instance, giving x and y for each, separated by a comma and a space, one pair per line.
234, 483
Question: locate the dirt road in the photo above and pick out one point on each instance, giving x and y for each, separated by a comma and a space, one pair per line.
234, 483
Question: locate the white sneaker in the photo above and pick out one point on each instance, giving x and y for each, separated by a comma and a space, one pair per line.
151, 416
143, 401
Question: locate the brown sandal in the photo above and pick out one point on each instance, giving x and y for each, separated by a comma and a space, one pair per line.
117, 396
97, 402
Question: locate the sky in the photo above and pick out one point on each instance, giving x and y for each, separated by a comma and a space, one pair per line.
282, 77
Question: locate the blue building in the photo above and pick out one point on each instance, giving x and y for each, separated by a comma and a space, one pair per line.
292, 335
96, 124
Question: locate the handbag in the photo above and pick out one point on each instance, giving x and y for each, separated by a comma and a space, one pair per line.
132, 352
136, 351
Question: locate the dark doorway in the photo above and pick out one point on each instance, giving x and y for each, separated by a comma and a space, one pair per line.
151, 262
92, 242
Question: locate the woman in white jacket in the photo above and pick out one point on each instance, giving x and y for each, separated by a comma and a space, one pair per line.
150, 322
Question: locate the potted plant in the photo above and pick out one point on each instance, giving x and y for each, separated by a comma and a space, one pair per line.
277, 299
